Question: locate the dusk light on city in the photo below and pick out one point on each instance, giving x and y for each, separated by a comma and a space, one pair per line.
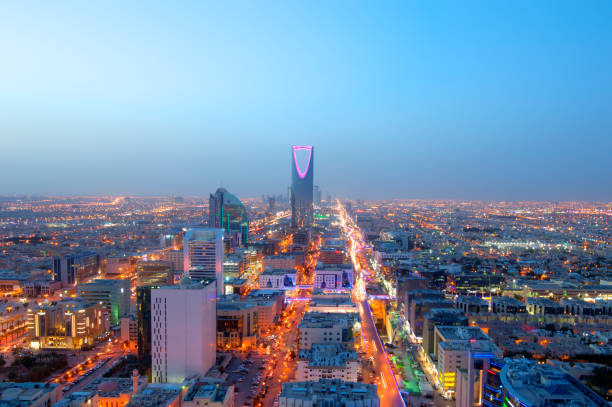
306, 204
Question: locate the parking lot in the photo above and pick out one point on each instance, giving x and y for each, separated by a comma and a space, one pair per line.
247, 374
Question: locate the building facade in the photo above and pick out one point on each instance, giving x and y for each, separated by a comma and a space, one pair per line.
225, 211
182, 314
203, 255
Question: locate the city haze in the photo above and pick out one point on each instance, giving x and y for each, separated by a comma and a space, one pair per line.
502, 101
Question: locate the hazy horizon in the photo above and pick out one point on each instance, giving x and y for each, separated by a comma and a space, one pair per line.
432, 100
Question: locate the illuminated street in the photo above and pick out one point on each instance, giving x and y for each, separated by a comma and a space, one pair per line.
388, 390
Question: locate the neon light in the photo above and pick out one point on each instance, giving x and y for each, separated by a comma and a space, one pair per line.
297, 167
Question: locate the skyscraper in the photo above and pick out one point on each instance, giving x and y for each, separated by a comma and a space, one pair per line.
183, 330
203, 255
302, 168
225, 211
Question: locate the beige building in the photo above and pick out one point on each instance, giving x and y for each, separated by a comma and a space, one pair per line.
68, 324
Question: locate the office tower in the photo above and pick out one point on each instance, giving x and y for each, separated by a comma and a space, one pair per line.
317, 195
183, 330
203, 255
302, 186
154, 273
76, 268
143, 315
225, 211
114, 295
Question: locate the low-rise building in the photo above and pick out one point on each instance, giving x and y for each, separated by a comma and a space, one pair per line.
208, 394
544, 306
528, 383
328, 393
507, 305
327, 361
159, 395
471, 304
28, 394
113, 295
272, 278
237, 323
333, 276
327, 327
154, 272
67, 324
279, 261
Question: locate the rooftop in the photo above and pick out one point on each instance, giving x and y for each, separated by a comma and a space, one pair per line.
327, 355
450, 333
329, 392
539, 385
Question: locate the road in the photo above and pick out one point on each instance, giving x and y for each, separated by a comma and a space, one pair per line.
286, 368
388, 389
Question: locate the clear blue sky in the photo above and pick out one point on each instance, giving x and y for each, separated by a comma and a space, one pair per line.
460, 99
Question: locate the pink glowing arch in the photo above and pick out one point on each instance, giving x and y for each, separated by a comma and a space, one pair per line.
302, 174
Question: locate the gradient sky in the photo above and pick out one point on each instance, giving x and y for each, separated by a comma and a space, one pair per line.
460, 99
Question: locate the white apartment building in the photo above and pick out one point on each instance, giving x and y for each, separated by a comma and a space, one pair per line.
326, 327
328, 392
183, 330
327, 361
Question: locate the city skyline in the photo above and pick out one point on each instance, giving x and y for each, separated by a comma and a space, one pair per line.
428, 100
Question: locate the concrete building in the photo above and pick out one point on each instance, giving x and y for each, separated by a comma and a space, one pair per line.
440, 317
527, 383
471, 305
457, 333
114, 295
182, 330
76, 268
507, 305
68, 324
462, 368
328, 393
544, 306
419, 307
237, 323
284, 279
327, 361
270, 306
279, 261
129, 329
119, 266
156, 272
331, 302
159, 395
203, 256
28, 394
176, 258
333, 276
327, 327
209, 394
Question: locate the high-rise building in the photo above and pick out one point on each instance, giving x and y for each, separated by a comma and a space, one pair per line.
143, 315
225, 211
183, 330
203, 255
114, 295
302, 186
317, 195
76, 268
